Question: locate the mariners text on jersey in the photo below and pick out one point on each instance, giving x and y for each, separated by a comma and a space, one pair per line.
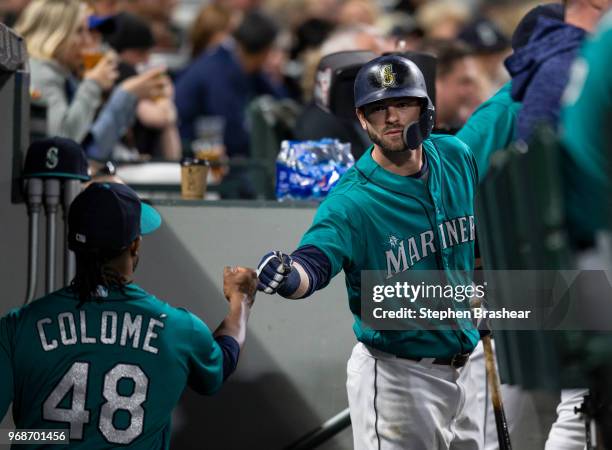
451, 232
110, 328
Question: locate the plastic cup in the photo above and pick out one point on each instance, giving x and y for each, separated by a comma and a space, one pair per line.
91, 58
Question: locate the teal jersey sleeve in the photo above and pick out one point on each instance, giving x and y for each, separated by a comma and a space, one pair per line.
206, 359
585, 129
6, 365
491, 127
333, 231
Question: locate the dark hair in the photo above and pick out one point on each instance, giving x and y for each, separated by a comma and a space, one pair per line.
256, 32
212, 19
447, 53
131, 33
92, 272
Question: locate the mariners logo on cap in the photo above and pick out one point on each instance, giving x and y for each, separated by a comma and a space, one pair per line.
52, 158
387, 77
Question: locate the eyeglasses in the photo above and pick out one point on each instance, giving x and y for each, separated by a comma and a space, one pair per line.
377, 112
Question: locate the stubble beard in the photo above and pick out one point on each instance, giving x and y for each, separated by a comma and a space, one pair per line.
387, 145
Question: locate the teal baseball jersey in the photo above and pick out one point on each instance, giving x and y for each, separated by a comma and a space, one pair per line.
587, 134
491, 127
111, 371
376, 220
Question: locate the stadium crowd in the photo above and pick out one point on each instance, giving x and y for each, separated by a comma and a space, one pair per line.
132, 81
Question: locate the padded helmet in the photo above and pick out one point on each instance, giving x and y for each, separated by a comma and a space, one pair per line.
395, 76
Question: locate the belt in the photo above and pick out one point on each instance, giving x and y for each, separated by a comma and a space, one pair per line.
456, 361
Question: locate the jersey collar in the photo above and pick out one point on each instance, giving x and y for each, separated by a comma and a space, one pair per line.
130, 292
371, 170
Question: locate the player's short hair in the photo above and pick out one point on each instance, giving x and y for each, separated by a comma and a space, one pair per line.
256, 33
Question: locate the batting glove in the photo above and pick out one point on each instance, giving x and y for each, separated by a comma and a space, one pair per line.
272, 272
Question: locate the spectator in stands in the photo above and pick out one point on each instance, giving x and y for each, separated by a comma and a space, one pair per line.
104, 8
155, 132
222, 82
211, 27
458, 86
56, 34
540, 70
492, 126
10, 10
354, 12
490, 48
158, 13
442, 19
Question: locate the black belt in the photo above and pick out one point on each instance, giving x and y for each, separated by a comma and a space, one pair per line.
456, 361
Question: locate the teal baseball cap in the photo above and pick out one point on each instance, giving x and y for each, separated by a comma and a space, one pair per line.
109, 216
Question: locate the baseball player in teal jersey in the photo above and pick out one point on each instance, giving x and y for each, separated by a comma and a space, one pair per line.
585, 129
102, 357
407, 204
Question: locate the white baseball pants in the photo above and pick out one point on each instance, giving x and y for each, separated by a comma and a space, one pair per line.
568, 432
398, 404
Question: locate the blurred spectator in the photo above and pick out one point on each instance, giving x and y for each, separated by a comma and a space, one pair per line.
442, 19
405, 32
104, 8
490, 48
222, 81
540, 70
211, 27
310, 35
322, 9
155, 132
56, 34
492, 126
458, 88
158, 13
353, 12
409, 6
275, 66
357, 37
10, 10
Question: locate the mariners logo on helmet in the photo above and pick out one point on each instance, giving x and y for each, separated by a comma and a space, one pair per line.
387, 77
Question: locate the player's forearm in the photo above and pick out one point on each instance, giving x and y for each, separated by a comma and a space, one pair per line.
297, 285
235, 322
311, 272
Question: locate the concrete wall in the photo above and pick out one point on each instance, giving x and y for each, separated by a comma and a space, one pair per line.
291, 375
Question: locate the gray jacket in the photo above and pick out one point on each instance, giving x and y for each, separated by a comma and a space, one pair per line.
75, 119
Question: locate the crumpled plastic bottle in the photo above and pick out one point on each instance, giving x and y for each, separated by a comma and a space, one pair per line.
307, 170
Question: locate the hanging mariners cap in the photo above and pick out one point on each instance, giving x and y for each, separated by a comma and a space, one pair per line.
56, 157
335, 80
109, 216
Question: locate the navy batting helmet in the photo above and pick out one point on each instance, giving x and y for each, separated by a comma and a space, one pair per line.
394, 76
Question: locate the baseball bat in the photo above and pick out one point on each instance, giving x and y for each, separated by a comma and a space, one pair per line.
503, 435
